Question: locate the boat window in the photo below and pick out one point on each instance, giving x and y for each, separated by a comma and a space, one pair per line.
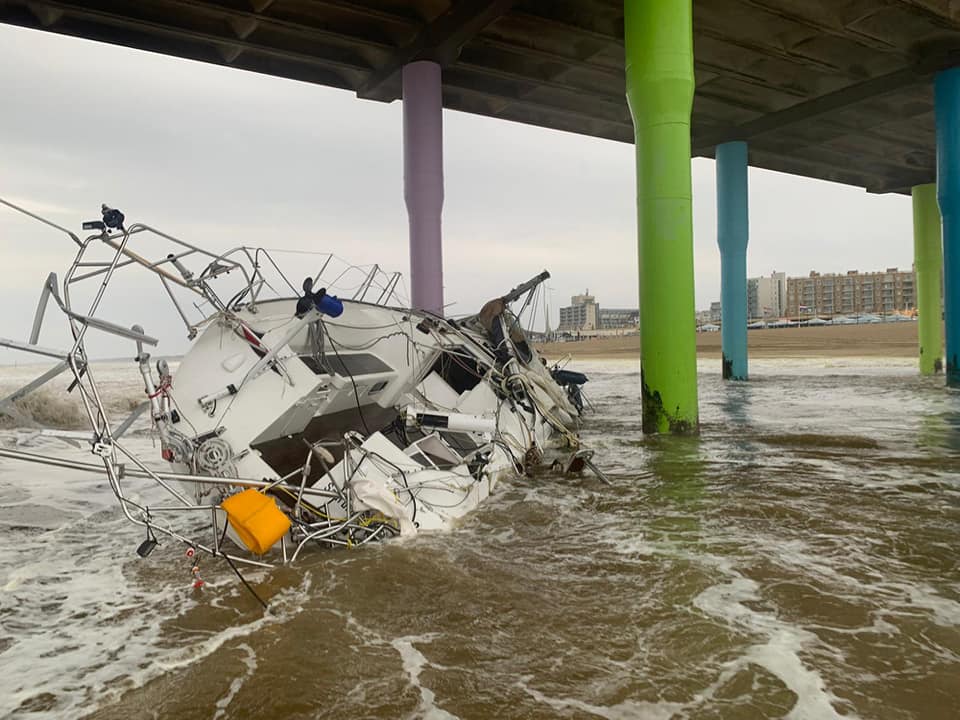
430, 451
421, 458
459, 369
461, 442
287, 453
346, 364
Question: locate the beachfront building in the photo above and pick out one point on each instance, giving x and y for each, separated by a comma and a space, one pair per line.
716, 313
583, 314
767, 297
826, 295
619, 318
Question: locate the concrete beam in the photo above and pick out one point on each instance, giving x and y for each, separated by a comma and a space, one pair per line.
89, 11
533, 114
586, 106
439, 41
810, 109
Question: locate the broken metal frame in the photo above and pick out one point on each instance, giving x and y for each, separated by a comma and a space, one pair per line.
104, 438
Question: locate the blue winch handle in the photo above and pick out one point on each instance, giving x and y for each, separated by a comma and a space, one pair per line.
327, 304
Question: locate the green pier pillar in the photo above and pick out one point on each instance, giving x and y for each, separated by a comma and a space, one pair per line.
658, 38
928, 265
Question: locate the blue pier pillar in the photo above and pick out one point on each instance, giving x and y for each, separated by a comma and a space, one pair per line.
947, 106
733, 231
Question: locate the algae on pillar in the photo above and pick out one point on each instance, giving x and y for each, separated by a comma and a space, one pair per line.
947, 110
733, 232
928, 264
658, 38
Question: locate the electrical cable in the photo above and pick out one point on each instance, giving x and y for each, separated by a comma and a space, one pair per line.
356, 392
230, 562
403, 475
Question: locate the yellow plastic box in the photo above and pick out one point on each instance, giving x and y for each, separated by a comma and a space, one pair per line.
256, 519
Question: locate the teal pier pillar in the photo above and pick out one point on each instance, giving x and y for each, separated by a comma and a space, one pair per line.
658, 39
928, 266
947, 111
733, 233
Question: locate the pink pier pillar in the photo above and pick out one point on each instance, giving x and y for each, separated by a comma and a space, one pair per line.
423, 181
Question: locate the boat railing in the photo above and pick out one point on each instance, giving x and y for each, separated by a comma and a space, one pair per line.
182, 268
178, 270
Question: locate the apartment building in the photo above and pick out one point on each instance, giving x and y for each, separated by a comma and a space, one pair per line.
583, 313
825, 295
619, 318
767, 297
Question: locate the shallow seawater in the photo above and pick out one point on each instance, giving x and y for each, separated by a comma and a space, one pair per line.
798, 559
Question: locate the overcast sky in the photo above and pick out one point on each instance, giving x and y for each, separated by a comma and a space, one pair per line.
228, 157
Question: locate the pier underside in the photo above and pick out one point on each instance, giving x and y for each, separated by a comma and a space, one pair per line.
833, 90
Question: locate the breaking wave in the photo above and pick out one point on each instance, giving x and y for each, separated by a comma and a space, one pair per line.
52, 406
43, 408
47, 409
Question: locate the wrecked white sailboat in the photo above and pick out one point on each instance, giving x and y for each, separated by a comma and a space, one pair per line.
307, 419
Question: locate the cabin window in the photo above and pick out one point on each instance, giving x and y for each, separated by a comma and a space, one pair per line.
459, 369
346, 364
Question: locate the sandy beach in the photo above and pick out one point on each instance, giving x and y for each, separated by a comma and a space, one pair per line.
875, 340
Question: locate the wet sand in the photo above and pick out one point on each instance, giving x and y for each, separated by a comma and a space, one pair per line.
875, 340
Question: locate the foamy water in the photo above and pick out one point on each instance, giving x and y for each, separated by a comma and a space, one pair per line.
797, 560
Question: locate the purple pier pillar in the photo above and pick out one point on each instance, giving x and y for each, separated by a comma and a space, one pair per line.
423, 181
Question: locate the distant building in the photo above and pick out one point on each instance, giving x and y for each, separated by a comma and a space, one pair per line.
831, 294
824, 295
616, 319
582, 314
767, 297
715, 314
